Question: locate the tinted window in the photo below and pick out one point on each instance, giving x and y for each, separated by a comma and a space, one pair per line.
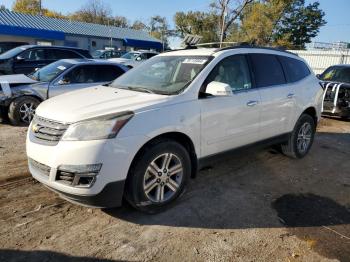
81, 74
233, 71
267, 70
33, 55
295, 69
107, 73
149, 55
63, 54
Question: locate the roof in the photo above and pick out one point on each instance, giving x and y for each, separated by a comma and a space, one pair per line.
9, 18
76, 61
51, 46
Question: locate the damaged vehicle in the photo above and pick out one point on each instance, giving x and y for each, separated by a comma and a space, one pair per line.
21, 94
336, 82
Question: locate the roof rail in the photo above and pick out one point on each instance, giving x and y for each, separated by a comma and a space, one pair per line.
247, 45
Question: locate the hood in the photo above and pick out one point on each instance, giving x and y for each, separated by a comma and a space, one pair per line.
17, 79
95, 101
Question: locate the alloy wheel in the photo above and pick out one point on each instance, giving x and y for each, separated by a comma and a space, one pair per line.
304, 137
27, 111
163, 177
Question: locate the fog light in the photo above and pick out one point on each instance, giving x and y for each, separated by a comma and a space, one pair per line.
78, 176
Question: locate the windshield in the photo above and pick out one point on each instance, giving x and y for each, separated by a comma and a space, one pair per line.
50, 72
130, 55
166, 75
13, 52
337, 74
97, 54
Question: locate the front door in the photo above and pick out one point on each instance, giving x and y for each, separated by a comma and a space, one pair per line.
228, 122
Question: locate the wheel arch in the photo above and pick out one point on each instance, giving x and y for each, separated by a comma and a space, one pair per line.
311, 111
178, 137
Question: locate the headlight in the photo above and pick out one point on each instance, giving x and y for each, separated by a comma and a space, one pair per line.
97, 128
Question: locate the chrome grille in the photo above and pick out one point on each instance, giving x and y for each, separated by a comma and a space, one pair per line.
41, 168
48, 132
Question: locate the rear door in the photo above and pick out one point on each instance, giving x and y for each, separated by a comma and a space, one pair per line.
277, 97
229, 122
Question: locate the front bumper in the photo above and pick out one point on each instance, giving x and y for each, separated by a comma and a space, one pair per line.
115, 155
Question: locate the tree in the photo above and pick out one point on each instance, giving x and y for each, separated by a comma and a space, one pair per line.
139, 25
94, 11
259, 21
300, 23
227, 13
159, 29
27, 7
33, 7
197, 23
120, 21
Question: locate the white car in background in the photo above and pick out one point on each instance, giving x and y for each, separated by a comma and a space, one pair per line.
145, 135
134, 58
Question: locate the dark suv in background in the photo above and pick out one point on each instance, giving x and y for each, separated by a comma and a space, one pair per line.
6, 46
25, 59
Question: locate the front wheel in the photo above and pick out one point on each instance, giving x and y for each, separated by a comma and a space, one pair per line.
301, 139
158, 176
22, 110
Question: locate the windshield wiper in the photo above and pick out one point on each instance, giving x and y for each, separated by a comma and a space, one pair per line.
140, 89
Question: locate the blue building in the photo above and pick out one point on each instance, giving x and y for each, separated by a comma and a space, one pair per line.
36, 29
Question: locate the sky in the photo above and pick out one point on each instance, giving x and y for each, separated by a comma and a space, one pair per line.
337, 12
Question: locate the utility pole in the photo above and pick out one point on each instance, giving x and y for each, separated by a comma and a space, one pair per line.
223, 22
40, 8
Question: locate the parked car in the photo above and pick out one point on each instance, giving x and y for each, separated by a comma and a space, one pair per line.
336, 81
25, 59
21, 94
146, 134
107, 54
6, 46
134, 58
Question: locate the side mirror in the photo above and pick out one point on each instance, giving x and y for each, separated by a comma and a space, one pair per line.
19, 58
218, 89
36, 69
63, 81
138, 58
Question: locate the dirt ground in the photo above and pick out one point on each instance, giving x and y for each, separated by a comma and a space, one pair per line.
256, 206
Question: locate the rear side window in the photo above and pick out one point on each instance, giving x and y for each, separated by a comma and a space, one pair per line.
267, 70
65, 54
295, 69
106, 73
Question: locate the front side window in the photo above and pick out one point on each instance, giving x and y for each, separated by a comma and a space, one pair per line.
233, 71
80, 75
33, 55
167, 75
267, 70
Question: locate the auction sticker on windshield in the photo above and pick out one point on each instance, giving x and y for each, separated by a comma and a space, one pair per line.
197, 61
62, 68
6, 88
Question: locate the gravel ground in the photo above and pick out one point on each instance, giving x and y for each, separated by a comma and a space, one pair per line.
256, 206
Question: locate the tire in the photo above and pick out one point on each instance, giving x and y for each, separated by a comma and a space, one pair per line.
144, 185
294, 147
16, 114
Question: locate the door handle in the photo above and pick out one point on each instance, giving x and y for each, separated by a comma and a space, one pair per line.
291, 95
252, 103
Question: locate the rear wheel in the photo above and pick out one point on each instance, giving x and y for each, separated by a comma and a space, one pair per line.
301, 139
22, 110
158, 176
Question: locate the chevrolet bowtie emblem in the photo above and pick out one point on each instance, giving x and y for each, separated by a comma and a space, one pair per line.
35, 128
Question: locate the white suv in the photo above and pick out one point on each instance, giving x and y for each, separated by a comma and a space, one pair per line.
145, 135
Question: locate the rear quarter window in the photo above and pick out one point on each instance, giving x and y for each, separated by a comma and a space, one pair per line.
295, 69
267, 70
